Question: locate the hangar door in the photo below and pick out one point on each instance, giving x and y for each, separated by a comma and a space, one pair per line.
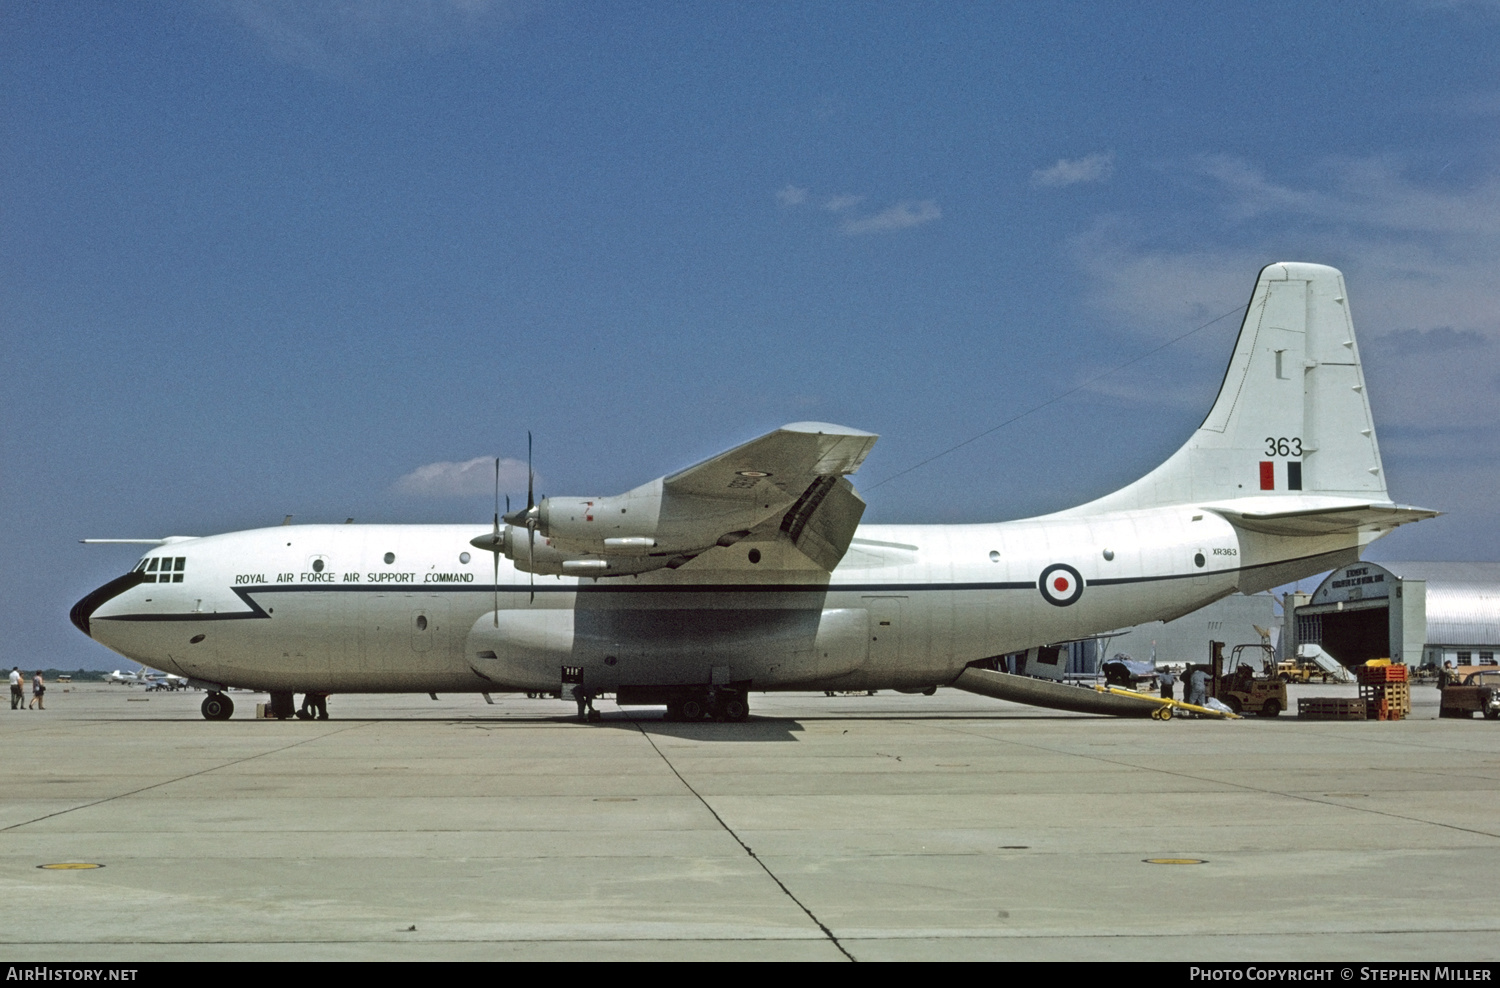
1352, 632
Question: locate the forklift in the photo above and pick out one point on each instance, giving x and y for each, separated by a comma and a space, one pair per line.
1242, 690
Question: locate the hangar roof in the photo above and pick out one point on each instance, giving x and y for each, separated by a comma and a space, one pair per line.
1463, 600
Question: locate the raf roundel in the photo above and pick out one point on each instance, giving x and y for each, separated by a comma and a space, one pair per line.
1060, 584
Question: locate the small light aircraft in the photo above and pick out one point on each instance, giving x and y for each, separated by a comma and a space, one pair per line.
165, 682
750, 571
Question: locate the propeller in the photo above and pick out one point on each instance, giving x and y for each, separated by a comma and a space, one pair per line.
528, 516
496, 539
531, 515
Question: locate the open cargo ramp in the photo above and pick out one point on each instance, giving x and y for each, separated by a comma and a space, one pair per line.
1050, 693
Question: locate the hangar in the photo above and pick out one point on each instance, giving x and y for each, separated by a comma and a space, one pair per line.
1422, 614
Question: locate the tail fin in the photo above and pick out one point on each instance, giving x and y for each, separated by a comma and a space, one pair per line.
1292, 416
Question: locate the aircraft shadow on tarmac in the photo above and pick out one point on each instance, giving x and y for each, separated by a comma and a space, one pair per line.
756, 729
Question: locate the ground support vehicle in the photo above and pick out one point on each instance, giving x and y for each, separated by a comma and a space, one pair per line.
1242, 690
1479, 692
1291, 671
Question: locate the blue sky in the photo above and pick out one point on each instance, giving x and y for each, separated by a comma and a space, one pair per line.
261, 258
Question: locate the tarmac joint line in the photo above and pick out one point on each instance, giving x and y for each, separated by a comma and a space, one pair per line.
180, 778
748, 850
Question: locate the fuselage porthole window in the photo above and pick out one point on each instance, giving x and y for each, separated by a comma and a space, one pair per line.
463, 557
390, 557
317, 565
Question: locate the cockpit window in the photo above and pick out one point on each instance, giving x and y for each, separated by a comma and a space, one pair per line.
163, 569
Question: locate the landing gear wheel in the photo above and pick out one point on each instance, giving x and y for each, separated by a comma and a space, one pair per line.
691, 709
1272, 708
217, 706
734, 709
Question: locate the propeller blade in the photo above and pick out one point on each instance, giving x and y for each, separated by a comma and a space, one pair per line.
497, 542
531, 554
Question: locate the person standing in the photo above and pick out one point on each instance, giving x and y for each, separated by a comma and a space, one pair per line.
16, 694
37, 689
1197, 686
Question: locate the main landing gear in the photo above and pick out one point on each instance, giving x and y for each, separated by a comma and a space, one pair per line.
714, 704
217, 706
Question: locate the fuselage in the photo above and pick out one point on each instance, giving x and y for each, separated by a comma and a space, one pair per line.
374, 608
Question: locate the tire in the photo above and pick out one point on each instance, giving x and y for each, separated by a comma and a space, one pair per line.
1286, 677
1271, 708
1233, 703
734, 709
691, 709
217, 706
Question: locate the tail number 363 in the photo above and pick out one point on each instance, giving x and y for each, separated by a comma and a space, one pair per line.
1284, 446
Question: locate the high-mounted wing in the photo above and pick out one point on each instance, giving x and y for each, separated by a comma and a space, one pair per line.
789, 484
788, 459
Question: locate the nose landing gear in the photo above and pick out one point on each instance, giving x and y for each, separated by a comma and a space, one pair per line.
217, 706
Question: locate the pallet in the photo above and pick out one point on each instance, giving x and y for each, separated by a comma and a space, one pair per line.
1391, 702
1331, 708
1380, 675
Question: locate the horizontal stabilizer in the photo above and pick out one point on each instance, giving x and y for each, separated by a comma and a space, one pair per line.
1329, 520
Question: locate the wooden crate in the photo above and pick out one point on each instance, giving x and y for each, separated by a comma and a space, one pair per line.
1390, 702
1380, 675
1331, 708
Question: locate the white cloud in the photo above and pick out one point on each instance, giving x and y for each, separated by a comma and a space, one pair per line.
791, 195
465, 479
837, 204
1094, 168
897, 217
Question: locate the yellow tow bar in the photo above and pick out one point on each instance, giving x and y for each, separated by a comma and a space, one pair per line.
1164, 706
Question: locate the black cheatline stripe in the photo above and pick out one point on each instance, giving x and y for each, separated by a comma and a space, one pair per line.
256, 611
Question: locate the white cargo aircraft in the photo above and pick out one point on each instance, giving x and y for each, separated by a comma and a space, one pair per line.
750, 571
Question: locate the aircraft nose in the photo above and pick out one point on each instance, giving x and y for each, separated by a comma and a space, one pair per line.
85, 608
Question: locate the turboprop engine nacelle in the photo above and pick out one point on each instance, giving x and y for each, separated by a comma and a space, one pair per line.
652, 521
542, 556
